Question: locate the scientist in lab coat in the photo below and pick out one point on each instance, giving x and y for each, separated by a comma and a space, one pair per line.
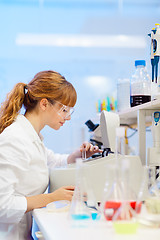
24, 160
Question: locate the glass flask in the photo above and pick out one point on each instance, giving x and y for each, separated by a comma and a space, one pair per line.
114, 191
124, 219
148, 203
115, 181
83, 204
78, 208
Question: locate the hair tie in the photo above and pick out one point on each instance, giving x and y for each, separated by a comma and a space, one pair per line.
25, 89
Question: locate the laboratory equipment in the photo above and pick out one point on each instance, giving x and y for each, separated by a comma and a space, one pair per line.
97, 167
97, 170
83, 205
109, 121
95, 129
148, 203
105, 133
155, 53
78, 209
156, 48
140, 85
123, 94
114, 197
154, 152
124, 218
112, 192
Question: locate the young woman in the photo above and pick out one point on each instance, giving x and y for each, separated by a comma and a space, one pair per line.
24, 160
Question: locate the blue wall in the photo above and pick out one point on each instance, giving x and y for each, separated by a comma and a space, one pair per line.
21, 63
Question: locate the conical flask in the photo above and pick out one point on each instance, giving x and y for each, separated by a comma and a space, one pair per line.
148, 203
124, 220
90, 198
114, 190
78, 209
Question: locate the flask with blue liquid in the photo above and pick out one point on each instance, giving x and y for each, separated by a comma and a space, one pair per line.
83, 205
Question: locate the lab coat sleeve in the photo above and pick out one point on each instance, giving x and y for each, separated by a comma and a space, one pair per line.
56, 159
12, 204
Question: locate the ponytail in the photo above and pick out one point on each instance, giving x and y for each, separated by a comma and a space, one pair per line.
12, 106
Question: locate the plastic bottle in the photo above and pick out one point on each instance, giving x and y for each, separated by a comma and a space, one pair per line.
140, 85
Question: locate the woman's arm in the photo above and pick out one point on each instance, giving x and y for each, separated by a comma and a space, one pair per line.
41, 200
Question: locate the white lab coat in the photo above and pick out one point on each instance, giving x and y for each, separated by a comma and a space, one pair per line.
24, 162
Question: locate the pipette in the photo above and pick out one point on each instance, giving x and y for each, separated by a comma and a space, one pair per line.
152, 53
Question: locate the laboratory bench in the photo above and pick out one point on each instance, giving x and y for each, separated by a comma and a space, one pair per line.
57, 226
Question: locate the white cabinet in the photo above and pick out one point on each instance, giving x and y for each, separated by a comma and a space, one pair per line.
140, 115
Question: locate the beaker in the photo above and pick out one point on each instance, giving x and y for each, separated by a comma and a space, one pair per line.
148, 203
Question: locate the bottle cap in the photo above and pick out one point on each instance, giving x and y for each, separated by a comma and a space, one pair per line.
140, 63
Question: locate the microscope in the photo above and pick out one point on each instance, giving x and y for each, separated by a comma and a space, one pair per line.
104, 133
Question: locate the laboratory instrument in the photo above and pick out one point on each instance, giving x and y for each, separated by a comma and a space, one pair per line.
78, 209
154, 152
148, 203
124, 218
97, 167
155, 53
114, 195
104, 134
123, 94
95, 129
140, 85
109, 121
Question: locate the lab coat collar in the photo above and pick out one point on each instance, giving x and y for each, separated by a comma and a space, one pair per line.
28, 128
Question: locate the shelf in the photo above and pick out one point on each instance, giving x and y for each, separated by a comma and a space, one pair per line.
140, 115
129, 116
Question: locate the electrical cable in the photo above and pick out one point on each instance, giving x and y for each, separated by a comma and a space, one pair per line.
134, 129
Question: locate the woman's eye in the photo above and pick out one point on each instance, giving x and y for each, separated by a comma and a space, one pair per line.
65, 110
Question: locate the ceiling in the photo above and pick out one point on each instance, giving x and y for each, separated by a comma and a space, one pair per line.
84, 3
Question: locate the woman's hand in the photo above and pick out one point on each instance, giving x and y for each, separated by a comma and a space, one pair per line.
41, 200
63, 193
89, 149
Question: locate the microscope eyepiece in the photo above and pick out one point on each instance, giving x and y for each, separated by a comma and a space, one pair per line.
91, 125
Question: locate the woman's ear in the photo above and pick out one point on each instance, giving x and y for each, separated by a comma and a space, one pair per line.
43, 104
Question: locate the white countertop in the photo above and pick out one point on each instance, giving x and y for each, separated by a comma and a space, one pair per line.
57, 226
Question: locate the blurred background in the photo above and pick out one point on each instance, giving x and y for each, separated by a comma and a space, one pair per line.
92, 43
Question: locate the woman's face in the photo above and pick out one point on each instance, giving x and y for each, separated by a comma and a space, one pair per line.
56, 115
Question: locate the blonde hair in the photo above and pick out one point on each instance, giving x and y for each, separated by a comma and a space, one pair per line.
45, 84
